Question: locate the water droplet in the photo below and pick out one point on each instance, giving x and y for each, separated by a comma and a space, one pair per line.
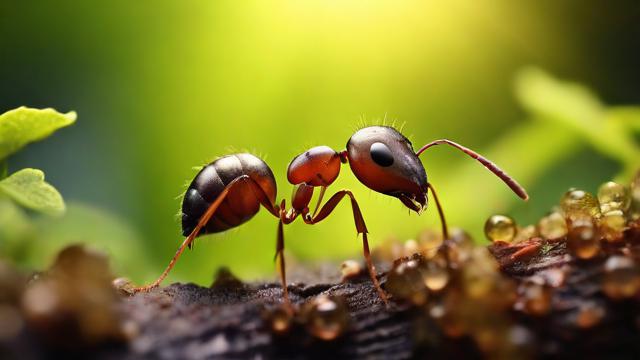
435, 275
579, 203
582, 239
280, 319
621, 279
537, 299
326, 317
589, 315
613, 196
405, 281
553, 226
411, 247
500, 228
612, 225
459, 247
525, 233
429, 242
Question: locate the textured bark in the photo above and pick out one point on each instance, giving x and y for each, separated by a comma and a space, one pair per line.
227, 320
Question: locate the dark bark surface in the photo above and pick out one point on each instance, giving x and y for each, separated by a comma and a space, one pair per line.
188, 321
228, 319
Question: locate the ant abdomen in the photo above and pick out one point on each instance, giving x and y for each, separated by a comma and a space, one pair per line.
240, 205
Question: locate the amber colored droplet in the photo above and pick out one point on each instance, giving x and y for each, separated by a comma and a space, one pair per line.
327, 317
589, 315
388, 251
612, 225
613, 196
582, 239
525, 233
579, 203
459, 247
537, 299
621, 279
405, 281
280, 319
435, 275
553, 226
480, 276
429, 242
411, 247
500, 228
350, 269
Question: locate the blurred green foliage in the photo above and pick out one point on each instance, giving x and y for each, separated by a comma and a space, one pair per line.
164, 86
33, 241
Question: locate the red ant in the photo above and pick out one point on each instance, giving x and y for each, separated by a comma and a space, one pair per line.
230, 190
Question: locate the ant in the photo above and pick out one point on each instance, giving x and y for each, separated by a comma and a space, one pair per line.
229, 191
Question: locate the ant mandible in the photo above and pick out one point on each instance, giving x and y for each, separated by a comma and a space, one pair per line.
230, 190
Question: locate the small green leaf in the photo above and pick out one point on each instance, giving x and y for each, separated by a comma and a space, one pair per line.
28, 188
23, 125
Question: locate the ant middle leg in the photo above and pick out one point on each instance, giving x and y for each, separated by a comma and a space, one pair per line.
280, 258
361, 228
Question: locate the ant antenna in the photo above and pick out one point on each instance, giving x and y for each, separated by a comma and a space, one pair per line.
511, 182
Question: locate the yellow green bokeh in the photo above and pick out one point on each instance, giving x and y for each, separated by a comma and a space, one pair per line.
163, 86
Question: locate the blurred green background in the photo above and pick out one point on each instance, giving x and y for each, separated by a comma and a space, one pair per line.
162, 86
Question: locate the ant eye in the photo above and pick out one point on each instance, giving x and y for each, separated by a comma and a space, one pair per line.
381, 154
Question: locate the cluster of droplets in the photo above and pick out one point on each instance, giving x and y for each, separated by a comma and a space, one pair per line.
324, 317
586, 222
461, 289
593, 227
456, 285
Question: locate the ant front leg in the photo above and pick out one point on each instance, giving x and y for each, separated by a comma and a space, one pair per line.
443, 222
361, 227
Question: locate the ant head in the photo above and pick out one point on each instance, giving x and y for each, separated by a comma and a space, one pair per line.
384, 161
318, 166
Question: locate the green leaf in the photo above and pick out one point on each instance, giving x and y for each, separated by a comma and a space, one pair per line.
629, 116
578, 109
28, 188
562, 101
23, 125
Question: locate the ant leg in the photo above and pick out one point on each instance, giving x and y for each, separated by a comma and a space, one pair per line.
280, 256
204, 219
511, 182
323, 189
361, 227
443, 222
275, 210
